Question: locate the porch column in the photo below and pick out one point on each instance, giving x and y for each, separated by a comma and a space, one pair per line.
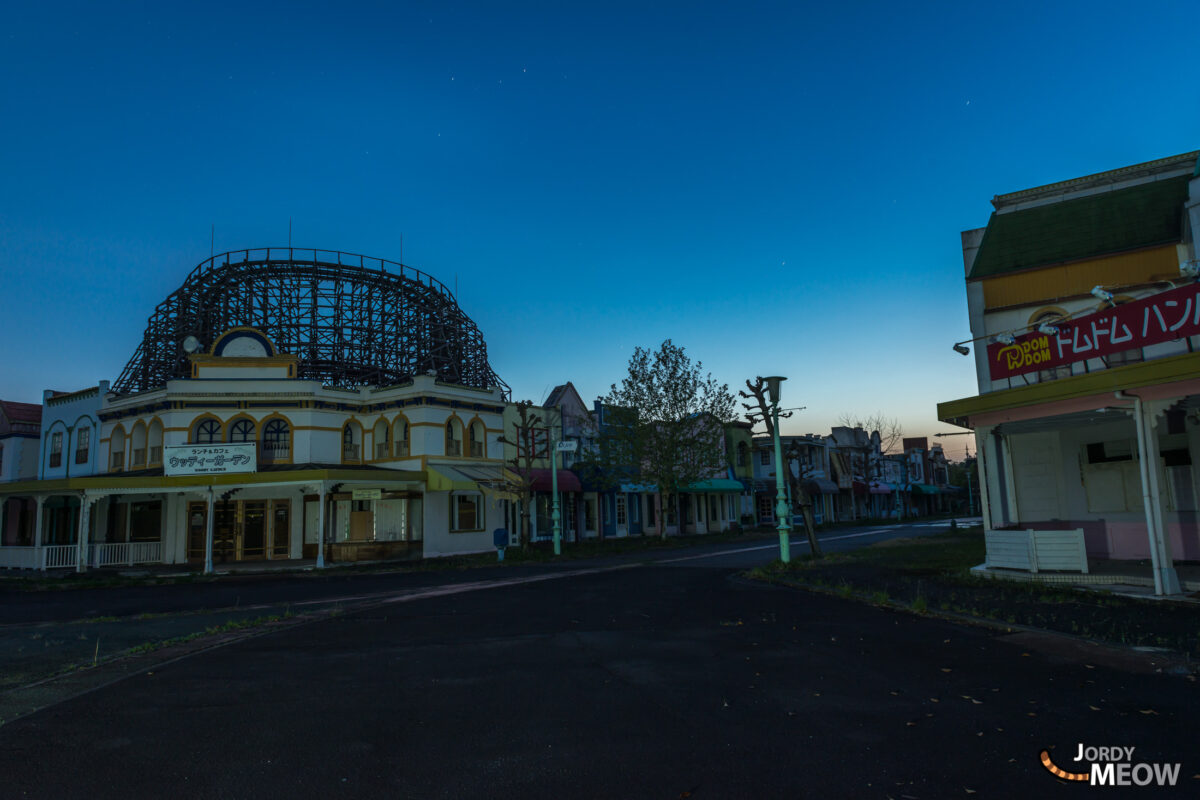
38, 553
321, 528
1009, 511
208, 534
982, 434
85, 518
1166, 581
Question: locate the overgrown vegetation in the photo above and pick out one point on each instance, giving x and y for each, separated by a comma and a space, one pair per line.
931, 575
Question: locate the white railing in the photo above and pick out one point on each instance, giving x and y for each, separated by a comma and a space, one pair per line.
19, 557
270, 453
139, 457
59, 555
156, 455
117, 460
349, 452
402, 448
382, 450
109, 553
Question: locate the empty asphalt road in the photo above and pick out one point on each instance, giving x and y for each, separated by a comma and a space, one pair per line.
668, 680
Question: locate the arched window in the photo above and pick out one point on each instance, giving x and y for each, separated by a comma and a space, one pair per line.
83, 444
242, 430
350, 442
137, 443
154, 441
116, 449
383, 448
206, 431
402, 443
475, 433
453, 438
276, 444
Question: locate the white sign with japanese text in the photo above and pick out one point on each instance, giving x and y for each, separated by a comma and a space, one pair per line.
210, 459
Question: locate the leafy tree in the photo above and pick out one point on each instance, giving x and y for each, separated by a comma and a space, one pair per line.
665, 423
759, 410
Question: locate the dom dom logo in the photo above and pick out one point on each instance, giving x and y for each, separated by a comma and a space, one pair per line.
1028, 353
1113, 766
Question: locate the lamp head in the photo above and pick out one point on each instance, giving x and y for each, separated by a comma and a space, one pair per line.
962, 349
1099, 293
1048, 329
773, 387
1005, 338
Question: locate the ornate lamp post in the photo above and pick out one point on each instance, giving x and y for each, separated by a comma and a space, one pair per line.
781, 505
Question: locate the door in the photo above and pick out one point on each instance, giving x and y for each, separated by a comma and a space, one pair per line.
622, 515
281, 528
225, 531
254, 530
197, 529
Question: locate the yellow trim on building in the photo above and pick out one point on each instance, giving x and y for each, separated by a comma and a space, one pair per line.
1049, 284
1131, 376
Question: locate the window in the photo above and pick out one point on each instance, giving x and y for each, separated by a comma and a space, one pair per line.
650, 511
402, 437
276, 440
242, 430
82, 443
466, 512
207, 431
349, 444
476, 436
453, 438
383, 447
741, 454
533, 441
56, 450
764, 456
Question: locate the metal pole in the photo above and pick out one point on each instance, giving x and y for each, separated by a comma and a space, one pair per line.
321, 529
208, 534
781, 507
554, 515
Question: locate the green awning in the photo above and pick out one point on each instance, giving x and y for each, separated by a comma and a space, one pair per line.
716, 485
922, 488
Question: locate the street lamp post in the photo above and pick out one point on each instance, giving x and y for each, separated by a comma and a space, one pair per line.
555, 519
781, 505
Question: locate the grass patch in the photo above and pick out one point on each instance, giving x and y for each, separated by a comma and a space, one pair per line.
933, 572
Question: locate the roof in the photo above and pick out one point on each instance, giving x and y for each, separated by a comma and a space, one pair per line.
1140, 216
21, 412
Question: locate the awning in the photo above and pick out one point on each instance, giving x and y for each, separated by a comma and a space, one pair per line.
820, 486
492, 480
715, 485
639, 488
922, 488
567, 481
879, 487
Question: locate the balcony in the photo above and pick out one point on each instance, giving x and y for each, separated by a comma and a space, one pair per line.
139, 457
383, 450
402, 448
453, 447
350, 452
116, 461
271, 453
476, 449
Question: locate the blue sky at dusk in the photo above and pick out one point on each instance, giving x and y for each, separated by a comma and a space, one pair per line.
778, 187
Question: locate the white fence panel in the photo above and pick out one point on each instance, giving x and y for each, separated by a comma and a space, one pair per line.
110, 553
19, 557
60, 555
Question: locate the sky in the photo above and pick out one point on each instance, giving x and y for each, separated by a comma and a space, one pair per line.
778, 187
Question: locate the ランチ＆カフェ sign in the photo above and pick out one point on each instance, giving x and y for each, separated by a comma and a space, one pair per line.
209, 459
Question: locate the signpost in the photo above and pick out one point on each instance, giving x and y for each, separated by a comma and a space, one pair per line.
559, 447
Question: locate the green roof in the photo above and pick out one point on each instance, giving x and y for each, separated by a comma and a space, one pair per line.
1086, 227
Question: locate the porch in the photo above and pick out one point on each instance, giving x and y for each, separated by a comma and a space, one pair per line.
1136, 576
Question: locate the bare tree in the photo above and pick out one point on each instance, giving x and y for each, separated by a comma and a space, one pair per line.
525, 441
665, 421
890, 432
759, 410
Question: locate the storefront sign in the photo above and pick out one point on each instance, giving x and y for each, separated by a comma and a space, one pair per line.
209, 459
366, 494
1164, 317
